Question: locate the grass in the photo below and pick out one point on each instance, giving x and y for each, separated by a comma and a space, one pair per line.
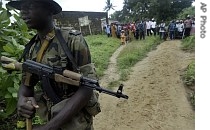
189, 76
113, 84
101, 48
134, 52
189, 81
188, 44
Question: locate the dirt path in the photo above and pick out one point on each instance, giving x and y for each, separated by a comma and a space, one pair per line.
111, 73
157, 97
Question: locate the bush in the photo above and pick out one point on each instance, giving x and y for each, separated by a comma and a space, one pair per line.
187, 11
13, 36
189, 81
188, 44
189, 77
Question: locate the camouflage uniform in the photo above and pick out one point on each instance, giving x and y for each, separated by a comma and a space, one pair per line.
55, 56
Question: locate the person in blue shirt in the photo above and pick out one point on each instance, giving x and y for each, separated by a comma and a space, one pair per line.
171, 29
108, 30
141, 28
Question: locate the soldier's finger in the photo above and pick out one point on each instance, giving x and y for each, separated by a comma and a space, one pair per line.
34, 103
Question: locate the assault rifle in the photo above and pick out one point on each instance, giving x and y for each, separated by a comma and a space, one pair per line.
59, 75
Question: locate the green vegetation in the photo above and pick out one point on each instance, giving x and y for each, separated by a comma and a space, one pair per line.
101, 49
189, 77
134, 52
189, 80
188, 44
159, 9
187, 11
113, 84
13, 37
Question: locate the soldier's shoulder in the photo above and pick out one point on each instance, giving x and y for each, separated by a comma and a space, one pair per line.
70, 31
75, 32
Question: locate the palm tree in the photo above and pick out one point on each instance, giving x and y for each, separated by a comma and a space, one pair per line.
107, 8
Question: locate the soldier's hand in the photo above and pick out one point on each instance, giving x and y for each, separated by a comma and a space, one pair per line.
26, 106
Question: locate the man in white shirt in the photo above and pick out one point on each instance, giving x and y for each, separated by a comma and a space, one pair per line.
180, 28
153, 26
148, 27
162, 29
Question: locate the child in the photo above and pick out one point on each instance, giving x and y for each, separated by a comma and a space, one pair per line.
123, 37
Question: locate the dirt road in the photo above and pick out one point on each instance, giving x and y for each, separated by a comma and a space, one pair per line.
157, 97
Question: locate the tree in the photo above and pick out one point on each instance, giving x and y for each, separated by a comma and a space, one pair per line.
187, 11
107, 8
117, 15
158, 9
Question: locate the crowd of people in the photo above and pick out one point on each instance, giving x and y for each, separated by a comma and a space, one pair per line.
176, 29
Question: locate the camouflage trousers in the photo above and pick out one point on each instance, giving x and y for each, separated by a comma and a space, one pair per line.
81, 121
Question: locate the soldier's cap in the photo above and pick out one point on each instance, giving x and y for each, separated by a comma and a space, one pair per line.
55, 7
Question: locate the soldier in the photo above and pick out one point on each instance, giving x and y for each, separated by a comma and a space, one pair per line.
72, 111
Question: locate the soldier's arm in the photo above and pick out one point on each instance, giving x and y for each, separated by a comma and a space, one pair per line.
26, 94
82, 95
25, 91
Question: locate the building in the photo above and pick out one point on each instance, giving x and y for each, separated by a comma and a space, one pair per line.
87, 22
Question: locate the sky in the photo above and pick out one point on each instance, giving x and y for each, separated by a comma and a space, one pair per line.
88, 5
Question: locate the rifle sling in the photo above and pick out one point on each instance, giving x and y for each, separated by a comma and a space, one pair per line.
50, 92
66, 49
46, 84
45, 45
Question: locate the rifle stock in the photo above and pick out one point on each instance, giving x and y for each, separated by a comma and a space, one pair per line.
11, 64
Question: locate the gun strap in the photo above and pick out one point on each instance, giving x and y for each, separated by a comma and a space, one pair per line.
44, 46
66, 49
50, 92
46, 84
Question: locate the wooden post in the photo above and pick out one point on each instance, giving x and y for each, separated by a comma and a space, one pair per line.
29, 121
90, 29
28, 124
80, 28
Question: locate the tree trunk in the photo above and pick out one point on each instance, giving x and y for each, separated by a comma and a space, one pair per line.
107, 18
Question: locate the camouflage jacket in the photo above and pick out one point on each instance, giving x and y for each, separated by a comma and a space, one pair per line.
55, 56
